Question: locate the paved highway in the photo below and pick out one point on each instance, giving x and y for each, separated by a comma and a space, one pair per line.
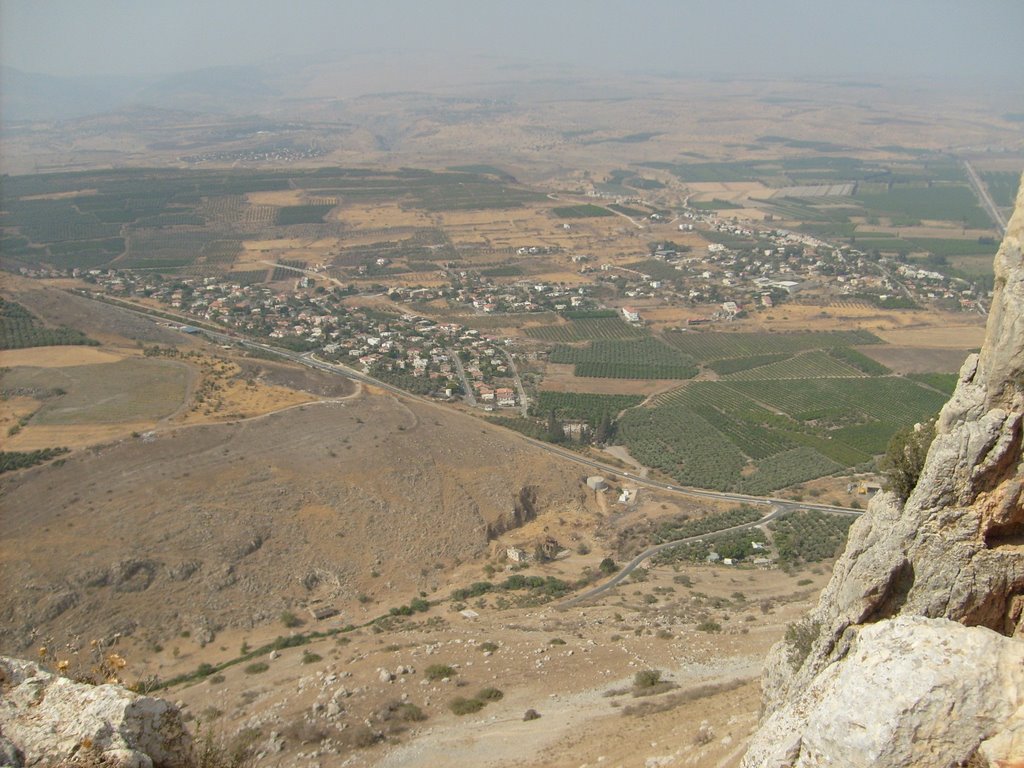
986, 200
308, 359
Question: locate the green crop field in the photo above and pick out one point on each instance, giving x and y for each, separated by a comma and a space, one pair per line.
19, 329
949, 202
586, 329
806, 365
110, 393
953, 247
714, 205
760, 435
302, 214
582, 405
644, 358
173, 219
580, 211
809, 536
944, 382
1002, 186
717, 346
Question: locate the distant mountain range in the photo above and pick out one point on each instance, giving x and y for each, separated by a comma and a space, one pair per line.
27, 96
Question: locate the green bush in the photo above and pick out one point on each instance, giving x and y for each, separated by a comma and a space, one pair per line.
490, 694
800, 637
463, 706
439, 672
647, 678
256, 668
904, 458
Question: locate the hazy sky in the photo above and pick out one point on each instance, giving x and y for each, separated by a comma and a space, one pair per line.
975, 39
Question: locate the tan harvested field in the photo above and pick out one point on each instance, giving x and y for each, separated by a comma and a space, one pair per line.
284, 244
361, 216
278, 198
57, 357
559, 378
956, 337
917, 359
36, 436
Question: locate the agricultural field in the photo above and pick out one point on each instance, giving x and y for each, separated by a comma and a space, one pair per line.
20, 329
586, 329
584, 406
178, 220
909, 204
718, 346
581, 211
644, 358
760, 435
808, 536
806, 365
1002, 186
127, 391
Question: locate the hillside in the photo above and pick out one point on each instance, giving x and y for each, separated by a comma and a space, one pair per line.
231, 524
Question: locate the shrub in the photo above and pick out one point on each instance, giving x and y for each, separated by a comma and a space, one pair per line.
419, 605
556, 641
647, 678
607, 566
800, 637
463, 706
709, 626
256, 668
904, 458
531, 714
488, 647
490, 694
439, 672
290, 620
410, 713
308, 657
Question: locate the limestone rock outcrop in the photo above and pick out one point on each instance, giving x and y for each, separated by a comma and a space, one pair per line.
954, 550
911, 691
46, 719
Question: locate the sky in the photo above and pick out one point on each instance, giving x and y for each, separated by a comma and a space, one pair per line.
977, 41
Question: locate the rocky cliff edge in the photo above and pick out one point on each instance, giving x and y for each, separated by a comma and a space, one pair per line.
925, 588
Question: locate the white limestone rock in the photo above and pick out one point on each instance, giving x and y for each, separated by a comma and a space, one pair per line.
48, 718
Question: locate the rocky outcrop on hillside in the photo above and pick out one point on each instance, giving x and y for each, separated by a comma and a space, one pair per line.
46, 720
951, 556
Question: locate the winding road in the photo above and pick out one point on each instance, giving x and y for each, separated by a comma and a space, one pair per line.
651, 551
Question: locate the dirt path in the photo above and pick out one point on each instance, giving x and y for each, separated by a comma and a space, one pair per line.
503, 738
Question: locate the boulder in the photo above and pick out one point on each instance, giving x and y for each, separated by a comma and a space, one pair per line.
46, 718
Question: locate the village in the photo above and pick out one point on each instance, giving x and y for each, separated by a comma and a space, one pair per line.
740, 270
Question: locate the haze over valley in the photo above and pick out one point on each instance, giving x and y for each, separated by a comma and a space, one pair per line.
408, 387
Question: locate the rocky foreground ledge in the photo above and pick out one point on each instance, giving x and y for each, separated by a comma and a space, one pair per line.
914, 654
48, 720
